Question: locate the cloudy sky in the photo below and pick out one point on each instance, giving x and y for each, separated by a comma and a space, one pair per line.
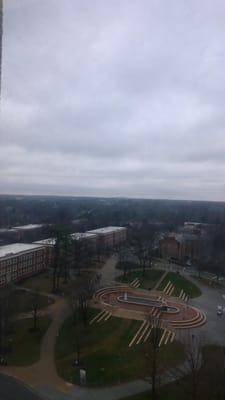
114, 98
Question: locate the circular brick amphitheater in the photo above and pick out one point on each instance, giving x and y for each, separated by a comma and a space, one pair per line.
126, 301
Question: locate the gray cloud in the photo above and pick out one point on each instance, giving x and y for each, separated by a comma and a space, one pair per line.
114, 98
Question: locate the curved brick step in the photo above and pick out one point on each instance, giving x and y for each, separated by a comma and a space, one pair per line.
196, 322
109, 289
192, 320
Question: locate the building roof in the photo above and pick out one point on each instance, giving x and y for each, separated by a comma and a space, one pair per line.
48, 241
85, 235
182, 237
7, 230
193, 223
28, 227
107, 229
16, 248
74, 236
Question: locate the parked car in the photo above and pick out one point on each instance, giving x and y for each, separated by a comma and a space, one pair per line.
219, 310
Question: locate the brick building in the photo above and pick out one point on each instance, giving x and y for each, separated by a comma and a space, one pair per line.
88, 239
110, 236
22, 233
180, 246
21, 260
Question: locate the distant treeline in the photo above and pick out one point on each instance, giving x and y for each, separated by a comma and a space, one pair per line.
95, 212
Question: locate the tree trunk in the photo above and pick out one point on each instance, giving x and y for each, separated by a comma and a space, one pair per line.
54, 279
35, 317
154, 393
65, 273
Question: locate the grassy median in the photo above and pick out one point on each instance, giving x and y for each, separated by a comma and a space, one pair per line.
180, 283
147, 279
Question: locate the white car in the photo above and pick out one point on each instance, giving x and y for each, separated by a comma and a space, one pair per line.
219, 310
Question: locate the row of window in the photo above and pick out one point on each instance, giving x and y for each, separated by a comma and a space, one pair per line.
18, 274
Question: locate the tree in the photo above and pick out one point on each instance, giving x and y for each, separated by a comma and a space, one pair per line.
62, 256
192, 367
78, 255
66, 254
124, 254
153, 344
35, 307
143, 250
212, 373
56, 262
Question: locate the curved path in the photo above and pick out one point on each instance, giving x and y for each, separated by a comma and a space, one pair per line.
44, 371
214, 331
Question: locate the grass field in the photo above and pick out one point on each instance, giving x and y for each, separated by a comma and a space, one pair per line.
105, 353
211, 381
180, 283
148, 279
25, 344
23, 301
41, 282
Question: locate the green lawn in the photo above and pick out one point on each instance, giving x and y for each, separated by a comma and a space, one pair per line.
148, 279
23, 301
180, 283
211, 381
24, 345
41, 282
105, 353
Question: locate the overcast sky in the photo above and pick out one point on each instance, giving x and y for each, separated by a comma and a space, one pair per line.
114, 98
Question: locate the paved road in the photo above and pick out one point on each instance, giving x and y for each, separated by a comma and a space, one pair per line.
11, 389
214, 329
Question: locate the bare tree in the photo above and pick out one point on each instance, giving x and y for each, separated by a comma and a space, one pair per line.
212, 373
192, 366
35, 309
143, 250
153, 344
124, 253
66, 255
56, 261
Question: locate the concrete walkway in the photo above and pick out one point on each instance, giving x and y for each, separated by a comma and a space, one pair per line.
114, 392
160, 280
109, 271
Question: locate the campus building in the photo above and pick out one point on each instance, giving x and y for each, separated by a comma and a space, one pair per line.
22, 233
21, 260
88, 239
110, 236
180, 246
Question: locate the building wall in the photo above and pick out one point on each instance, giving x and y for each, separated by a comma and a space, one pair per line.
186, 249
111, 239
19, 266
170, 247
